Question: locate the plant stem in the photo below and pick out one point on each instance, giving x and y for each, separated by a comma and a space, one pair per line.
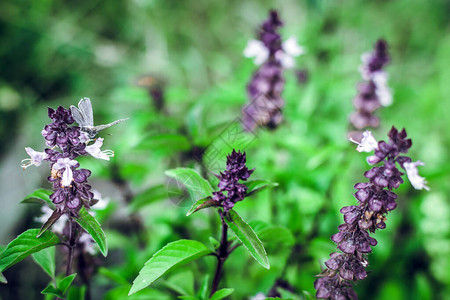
71, 246
222, 255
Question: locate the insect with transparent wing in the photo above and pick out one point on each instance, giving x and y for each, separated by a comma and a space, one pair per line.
84, 116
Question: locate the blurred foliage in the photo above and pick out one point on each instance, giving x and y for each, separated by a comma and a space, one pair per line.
123, 53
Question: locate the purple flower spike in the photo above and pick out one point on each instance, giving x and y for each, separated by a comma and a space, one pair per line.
374, 91
375, 199
229, 181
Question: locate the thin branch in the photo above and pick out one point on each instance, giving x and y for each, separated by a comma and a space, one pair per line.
222, 255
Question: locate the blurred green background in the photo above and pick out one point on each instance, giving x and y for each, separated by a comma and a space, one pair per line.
54, 53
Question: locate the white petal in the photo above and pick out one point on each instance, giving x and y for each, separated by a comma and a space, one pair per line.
292, 48
286, 60
257, 50
382, 90
67, 176
368, 142
417, 181
95, 151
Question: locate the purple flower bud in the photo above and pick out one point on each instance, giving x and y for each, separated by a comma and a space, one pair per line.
229, 180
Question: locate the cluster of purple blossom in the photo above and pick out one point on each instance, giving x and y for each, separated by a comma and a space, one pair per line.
373, 92
66, 143
229, 181
267, 83
375, 199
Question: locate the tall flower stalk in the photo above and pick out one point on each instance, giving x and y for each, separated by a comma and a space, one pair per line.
373, 92
375, 199
267, 83
231, 191
71, 190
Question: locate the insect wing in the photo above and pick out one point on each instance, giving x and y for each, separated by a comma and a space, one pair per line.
85, 106
77, 115
101, 127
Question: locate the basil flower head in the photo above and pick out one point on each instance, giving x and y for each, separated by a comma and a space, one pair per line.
231, 191
267, 83
375, 199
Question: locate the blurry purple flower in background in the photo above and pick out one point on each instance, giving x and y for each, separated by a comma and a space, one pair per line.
374, 91
375, 199
267, 83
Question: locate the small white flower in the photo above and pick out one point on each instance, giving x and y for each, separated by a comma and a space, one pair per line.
363, 68
36, 158
382, 90
95, 151
290, 49
257, 50
88, 243
417, 181
368, 142
58, 226
66, 164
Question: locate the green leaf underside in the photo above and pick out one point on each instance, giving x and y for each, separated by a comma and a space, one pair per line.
3, 278
169, 257
24, 245
53, 218
201, 204
197, 186
46, 259
248, 237
62, 286
92, 226
41, 196
220, 294
255, 186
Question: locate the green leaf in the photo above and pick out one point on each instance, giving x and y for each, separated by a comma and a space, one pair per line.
248, 237
214, 243
25, 244
182, 283
204, 288
276, 234
220, 294
169, 257
201, 204
3, 278
197, 186
115, 276
51, 290
53, 218
120, 293
41, 196
148, 196
255, 186
91, 225
165, 142
62, 286
46, 259
76, 293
